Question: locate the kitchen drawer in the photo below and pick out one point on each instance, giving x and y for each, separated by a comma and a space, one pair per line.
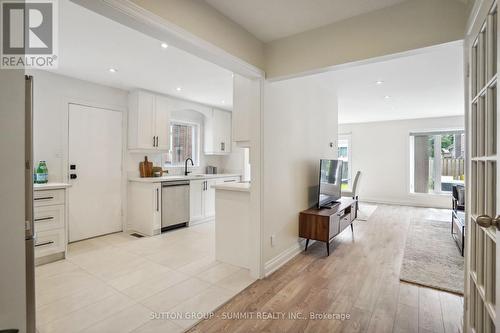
231, 180
49, 218
49, 242
48, 198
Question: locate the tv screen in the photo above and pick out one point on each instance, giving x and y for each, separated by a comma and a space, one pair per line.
330, 182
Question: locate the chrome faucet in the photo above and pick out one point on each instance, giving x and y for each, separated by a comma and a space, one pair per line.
186, 172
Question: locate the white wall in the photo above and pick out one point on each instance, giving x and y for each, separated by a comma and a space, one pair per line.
52, 93
300, 121
12, 217
406, 26
380, 150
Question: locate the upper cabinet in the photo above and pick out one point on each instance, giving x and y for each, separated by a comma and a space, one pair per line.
149, 121
218, 132
246, 108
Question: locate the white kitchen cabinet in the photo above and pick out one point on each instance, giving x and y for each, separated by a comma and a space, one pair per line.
50, 223
246, 107
210, 198
149, 121
218, 133
144, 208
202, 198
196, 200
163, 107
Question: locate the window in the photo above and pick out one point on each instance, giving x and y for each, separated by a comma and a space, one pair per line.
344, 154
437, 161
184, 143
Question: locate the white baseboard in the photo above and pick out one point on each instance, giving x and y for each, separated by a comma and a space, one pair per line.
201, 221
275, 263
402, 203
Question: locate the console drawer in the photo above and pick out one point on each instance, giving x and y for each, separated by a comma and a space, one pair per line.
49, 218
345, 221
49, 242
334, 226
48, 197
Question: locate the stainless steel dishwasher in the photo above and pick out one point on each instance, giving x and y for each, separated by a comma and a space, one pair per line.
174, 204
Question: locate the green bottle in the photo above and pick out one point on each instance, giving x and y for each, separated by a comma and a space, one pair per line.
42, 173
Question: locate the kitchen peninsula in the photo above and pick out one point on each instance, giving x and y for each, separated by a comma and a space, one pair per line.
232, 224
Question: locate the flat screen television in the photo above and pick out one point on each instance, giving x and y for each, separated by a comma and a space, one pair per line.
330, 182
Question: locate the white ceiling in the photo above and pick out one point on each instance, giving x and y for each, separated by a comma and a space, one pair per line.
90, 44
273, 19
420, 86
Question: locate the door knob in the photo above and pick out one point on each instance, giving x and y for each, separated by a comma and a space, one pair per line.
486, 221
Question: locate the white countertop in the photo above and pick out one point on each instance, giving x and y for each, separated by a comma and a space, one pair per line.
50, 186
181, 177
240, 187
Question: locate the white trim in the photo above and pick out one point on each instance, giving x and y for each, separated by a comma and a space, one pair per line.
128, 13
281, 259
403, 203
202, 221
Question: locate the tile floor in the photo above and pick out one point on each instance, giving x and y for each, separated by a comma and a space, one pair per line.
117, 282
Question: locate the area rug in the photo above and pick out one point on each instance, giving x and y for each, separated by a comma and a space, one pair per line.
431, 257
365, 211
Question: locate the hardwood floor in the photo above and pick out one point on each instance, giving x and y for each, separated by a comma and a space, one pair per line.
359, 278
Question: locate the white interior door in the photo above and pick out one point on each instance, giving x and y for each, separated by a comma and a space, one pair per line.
95, 149
482, 174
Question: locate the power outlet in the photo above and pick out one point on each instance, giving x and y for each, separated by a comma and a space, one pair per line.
273, 240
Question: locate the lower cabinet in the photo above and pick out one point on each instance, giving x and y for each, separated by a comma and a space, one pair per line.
50, 225
144, 203
196, 202
202, 194
144, 208
202, 203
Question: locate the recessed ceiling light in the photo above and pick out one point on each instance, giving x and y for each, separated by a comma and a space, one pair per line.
112, 70
223, 102
164, 45
178, 88
387, 96
379, 82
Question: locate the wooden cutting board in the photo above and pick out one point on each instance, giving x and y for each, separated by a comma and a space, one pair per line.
146, 168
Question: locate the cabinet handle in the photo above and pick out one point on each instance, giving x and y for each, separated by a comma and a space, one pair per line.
222, 146
45, 243
44, 198
157, 201
154, 140
44, 218
157, 141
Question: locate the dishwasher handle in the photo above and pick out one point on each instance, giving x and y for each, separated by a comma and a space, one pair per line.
175, 183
